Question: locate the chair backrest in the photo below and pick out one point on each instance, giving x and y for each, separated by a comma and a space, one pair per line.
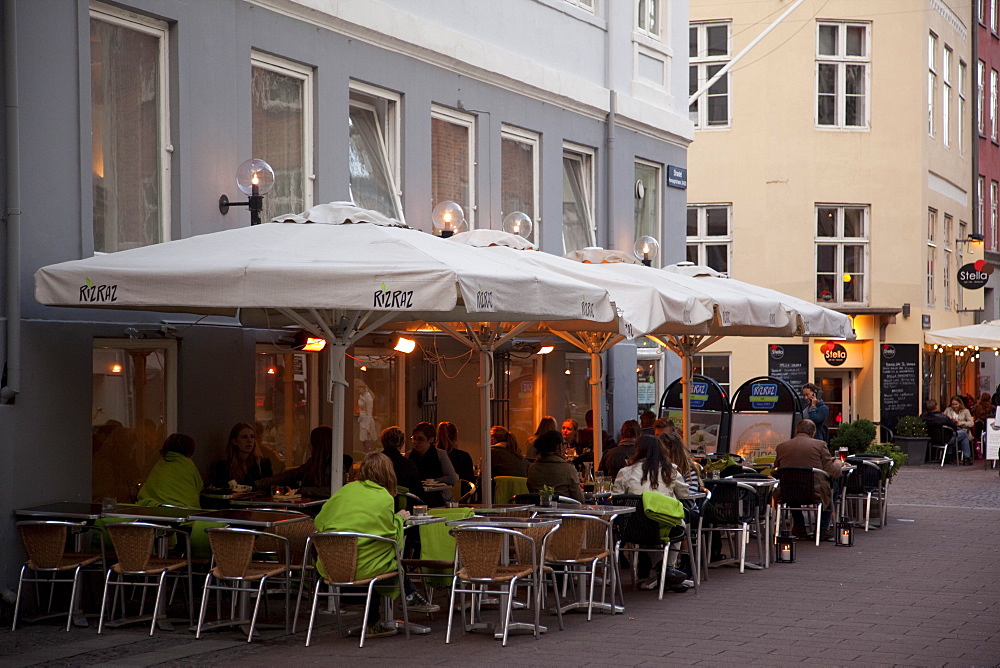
436, 541
635, 527
733, 502
940, 434
44, 541
505, 487
866, 477
232, 550
295, 532
480, 549
338, 554
133, 542
796, 485
574, 534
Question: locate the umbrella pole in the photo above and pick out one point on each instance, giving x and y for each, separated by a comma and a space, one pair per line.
596, 385
485, 386
338, 386
686, 399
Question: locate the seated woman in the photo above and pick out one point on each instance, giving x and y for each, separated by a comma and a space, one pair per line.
313, 477
680, 457
432, 463
244, 461
649, 470
551, 470
174, 479
367, 505
545, 425
407, 475
505, 456
461, 461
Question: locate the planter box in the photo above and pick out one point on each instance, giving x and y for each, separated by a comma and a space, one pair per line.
915, 447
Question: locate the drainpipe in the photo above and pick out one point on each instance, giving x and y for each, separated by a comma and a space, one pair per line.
12, 215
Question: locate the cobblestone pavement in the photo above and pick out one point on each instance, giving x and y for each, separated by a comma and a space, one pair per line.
922, 592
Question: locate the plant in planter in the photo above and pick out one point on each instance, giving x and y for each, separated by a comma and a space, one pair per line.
889, 450
545, 495
856, 436
911, 438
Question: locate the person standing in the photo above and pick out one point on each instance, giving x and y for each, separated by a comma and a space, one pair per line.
816, 411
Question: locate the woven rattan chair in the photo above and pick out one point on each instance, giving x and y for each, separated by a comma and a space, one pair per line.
337, 552
45, 543
580, 546
234, 570
637, 533
797, 492
135, 545
480, 564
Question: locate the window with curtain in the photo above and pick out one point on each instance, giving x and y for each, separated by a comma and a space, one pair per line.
452, 161
519, 174
128, 130
372, 179
647, 200
281, 94
578, 200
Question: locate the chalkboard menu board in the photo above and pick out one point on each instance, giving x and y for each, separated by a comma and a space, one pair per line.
900, 381
790, 363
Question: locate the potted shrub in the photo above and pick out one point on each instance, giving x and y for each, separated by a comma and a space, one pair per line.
545, 495
911, 438
856, 436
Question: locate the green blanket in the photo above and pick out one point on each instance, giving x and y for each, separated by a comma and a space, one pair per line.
666, 511
437, 543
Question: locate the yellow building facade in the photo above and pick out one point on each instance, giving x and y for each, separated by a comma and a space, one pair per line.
833, 162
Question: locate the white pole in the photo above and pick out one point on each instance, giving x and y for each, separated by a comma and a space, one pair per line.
596, 385
725, 70
485, 386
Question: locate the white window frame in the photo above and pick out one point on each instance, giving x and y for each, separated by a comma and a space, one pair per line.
949, 240
698, 367
932, 221
160, 30
994, 196
932, 77
534, 139
993, 16
589, 6
946, 63
993, 104
701, 240
702, 62
840, 241
658, 202
468, 121
389, 130
963, 75
305, 74
981, 97
585, 156
841, 62
646, 12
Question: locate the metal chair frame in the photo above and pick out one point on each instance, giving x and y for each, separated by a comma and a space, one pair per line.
56, 565
746, 512
583, 564
858, 487
804, 506
336, 586
941, 440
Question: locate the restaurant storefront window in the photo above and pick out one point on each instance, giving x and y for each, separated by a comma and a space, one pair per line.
286, 402
577, 386
378, 390
134, 408
522, 376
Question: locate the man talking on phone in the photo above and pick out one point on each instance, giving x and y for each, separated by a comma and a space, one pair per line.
816, 411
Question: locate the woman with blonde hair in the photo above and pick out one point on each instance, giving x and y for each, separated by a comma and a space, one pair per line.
545, 425
244, 461
367, 505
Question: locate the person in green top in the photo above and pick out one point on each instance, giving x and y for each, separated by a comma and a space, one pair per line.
173, 480
367, 505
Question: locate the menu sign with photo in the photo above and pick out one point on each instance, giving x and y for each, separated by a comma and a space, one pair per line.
790, 363
899, 381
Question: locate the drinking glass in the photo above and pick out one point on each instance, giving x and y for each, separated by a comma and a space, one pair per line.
842, 453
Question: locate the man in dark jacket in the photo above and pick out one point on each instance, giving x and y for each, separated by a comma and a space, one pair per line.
806, 451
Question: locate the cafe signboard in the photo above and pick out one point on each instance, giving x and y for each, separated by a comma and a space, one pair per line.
975, 275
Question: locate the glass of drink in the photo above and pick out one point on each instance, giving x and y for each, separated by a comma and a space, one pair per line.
842, 453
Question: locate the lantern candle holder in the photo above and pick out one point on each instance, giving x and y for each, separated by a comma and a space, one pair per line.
845, 534
786, 549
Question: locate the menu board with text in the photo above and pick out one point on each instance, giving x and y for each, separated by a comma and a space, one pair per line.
900, 381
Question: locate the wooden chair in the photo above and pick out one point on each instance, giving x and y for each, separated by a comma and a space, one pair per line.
337, 552
45, 543
135, 544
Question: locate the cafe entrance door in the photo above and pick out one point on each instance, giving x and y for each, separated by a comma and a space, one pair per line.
838, 394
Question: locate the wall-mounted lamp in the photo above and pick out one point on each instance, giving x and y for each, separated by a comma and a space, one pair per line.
116, 368
519, 223
255, 178
447, 218
974, 239
405, 345
646, 249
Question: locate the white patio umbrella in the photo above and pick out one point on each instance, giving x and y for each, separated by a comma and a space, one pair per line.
803, 318
336, 270
981, 335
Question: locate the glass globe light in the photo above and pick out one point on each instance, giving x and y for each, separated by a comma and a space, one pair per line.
447, 217
254, 173
646, 249
519, 223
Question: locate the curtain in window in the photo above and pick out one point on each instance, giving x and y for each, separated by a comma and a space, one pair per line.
578, 227
279, 137
647, 219
125, 125
372, 186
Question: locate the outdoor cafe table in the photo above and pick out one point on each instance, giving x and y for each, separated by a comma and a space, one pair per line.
515, 523
261, 499
66, 510
607, 513
261, 519
496, 508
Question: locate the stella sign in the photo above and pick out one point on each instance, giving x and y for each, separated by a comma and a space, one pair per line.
975, 275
